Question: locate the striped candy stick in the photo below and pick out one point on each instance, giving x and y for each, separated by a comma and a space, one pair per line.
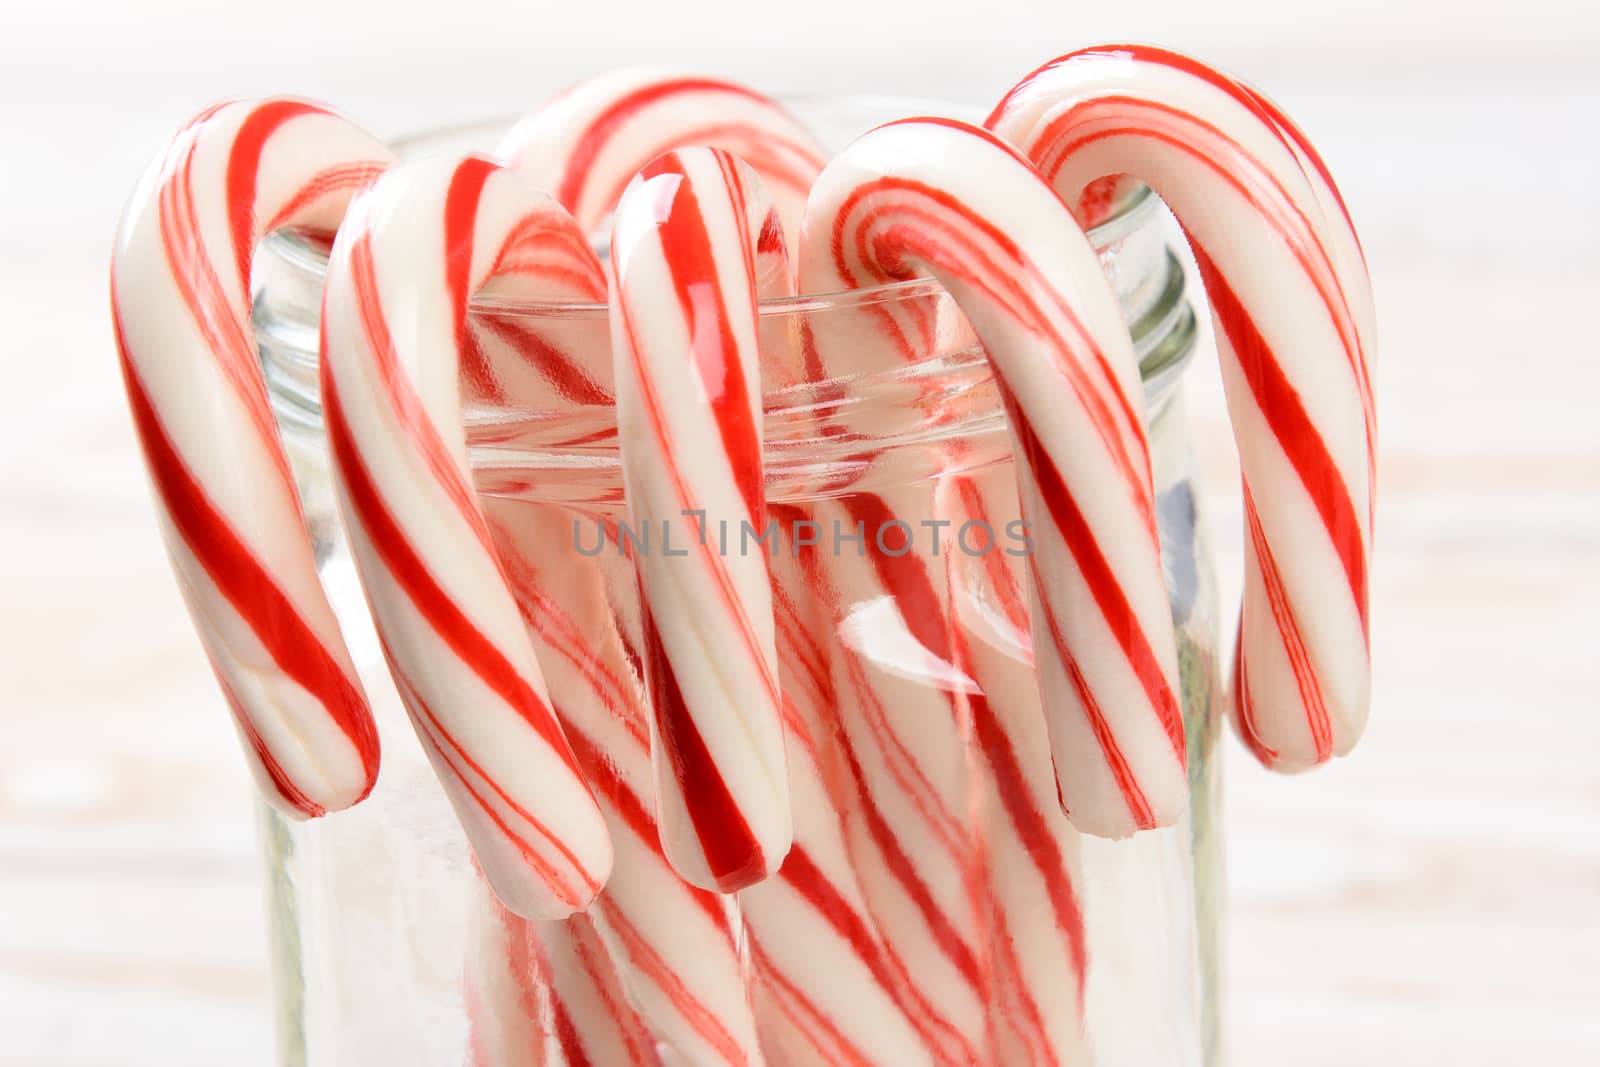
500, 985
827, 989
970, 868
593, 1020
511, 359
902, 732
1034, 874
587, 143
226, 501
905, 703
947, 778
946, 198
815, 958
546, 993
415, 248
915, 765
814, 903
671, 943
1295, 330
683, 273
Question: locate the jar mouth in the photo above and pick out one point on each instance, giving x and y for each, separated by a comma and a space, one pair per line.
939, 413
310, 256
1135, 208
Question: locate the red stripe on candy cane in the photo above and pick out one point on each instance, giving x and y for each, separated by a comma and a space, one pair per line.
693, 266
588, 142
1109, 595
442, 613
407, 404
643, 955
1138, 805
465, 770
927, 235
731, 848
195, 274
604, 128
251, 590
594, 138
823, 1036
1294, 645
244, 164
1314, 260
1297, 435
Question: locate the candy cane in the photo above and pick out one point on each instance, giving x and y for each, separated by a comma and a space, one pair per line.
415, 249
545, 992
671, 943
500, 986
1034, 873
683, 328
827, 988
586, 144
1293, 308
968, 868
226, 501
952, 200
905, 751
906, 704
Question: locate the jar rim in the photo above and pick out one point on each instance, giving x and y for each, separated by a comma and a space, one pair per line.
310, 256
1160, 321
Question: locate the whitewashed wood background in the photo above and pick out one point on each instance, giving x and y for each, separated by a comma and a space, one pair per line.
1433, 900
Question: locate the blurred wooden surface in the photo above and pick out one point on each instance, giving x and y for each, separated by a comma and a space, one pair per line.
1433, 900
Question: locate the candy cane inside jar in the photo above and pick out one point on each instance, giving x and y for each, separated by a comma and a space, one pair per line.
830, 917
414, 251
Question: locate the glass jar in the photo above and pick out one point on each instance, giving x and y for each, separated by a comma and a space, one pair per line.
378, 917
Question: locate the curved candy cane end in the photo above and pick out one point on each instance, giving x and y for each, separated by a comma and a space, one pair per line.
587, 143
684, 272
958, 202
225, 493
395, 343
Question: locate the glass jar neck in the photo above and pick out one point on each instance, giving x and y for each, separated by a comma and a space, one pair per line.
942, 414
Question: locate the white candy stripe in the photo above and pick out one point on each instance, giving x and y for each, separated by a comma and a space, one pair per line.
416, 247
684, 336
1295, 330
589, 141
225, 498
948, 198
